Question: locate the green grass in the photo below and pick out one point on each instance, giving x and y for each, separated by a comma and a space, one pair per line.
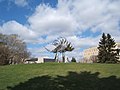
60, 76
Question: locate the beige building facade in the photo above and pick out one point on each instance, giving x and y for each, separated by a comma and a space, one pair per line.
88, 53
93, 51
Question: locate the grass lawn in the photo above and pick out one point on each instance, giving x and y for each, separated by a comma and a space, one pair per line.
60, 76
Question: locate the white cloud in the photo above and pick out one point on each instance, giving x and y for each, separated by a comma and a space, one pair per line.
40, 52
13, 27
73, 16
80, 42
69, 18
47, 20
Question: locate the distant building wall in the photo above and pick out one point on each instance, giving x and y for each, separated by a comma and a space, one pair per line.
44, 59
48, 60
40, 60
31, 60
93, 51
87, 53
118, 47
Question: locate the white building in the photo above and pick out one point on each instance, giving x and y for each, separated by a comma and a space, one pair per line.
41, 59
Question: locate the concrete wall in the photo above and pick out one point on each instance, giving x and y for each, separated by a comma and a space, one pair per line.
40, 60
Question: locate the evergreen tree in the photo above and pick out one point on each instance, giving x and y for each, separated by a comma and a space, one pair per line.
107, 53
73, 59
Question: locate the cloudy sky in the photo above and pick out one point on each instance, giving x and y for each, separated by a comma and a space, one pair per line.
39, 22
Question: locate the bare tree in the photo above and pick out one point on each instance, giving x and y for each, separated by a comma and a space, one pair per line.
94, 58
4, 54
17, 50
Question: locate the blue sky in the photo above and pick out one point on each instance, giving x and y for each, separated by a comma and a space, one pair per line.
39, 22
10, 10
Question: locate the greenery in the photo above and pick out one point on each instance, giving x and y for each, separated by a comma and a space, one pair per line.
60, 76
107, 52
73, 59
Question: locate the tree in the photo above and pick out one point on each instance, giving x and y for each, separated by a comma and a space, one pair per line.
73, 59
107, 53
4, 51
93, 58
4, 54
13, 50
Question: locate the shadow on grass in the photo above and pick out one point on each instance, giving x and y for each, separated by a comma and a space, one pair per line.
73, 81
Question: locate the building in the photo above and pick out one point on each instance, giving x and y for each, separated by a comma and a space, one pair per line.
88, 53
31, 60
118, 50
93, 51
39, 60
49, 60
43, 60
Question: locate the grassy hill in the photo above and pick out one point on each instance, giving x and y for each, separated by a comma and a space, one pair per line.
60, 76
